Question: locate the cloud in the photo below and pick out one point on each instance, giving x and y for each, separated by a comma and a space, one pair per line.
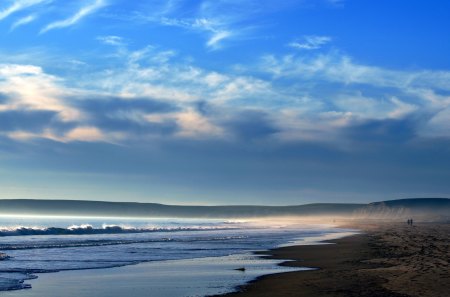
290, 124
217, 21
111, 40
19, 5
345, 93
88, 134
310, 42
132, 116
438, 126
79, 15
23, 21
3, 98
216, 38
334, 67
26, 120
294, 123
386, 131
29, 87
153, 93
368, 107
216, 30
158, 74
114, 104
251, 125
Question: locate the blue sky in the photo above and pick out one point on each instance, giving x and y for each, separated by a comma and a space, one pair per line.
224, 102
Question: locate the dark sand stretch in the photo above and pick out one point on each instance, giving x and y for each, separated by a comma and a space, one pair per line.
387, 260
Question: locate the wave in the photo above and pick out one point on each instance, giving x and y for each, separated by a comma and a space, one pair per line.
100, 242
15, 281
87, 229
3, 256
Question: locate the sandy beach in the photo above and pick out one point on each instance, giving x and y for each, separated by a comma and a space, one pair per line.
383, 260
386, 260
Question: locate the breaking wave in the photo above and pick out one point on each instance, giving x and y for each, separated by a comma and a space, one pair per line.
94, 243
87, 229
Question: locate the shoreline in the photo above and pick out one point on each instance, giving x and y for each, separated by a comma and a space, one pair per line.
388, 259
205, 276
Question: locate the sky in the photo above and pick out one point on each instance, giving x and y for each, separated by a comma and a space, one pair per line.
225, 101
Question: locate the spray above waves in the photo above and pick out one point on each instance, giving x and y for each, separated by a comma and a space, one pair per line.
87, 229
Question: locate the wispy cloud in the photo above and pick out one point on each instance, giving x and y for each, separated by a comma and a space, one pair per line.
111, 40
216, 30
217, 21
327, 100
335, 67
79, 15
19, 5
23, 21
217, 37
310, 42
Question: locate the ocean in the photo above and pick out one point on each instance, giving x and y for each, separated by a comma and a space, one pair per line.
40, 246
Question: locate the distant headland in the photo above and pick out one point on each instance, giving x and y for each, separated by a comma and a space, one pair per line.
427, 208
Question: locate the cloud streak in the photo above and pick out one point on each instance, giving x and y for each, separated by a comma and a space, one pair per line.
78, 16
216, 30
19, 5
310, 42
151, 93
23, 21
217, 21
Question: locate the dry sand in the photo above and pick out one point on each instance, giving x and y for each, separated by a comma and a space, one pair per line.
387, 260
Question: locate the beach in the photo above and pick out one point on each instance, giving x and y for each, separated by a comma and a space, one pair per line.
387, 259
384, 259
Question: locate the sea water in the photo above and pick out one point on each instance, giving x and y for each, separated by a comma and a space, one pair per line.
35, 245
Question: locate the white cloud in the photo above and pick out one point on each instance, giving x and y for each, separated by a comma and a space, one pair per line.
32, 89
79, 15
310, 42
111, 40
217, 21
216, 30
154, 73
394, 94
19, 5
23, 21
216, 38
340, 68
86, 133
308, 98
401, 108
191, 124
296, 125
370, 108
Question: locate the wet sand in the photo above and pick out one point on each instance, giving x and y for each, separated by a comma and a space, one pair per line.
387, 260
188, 277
